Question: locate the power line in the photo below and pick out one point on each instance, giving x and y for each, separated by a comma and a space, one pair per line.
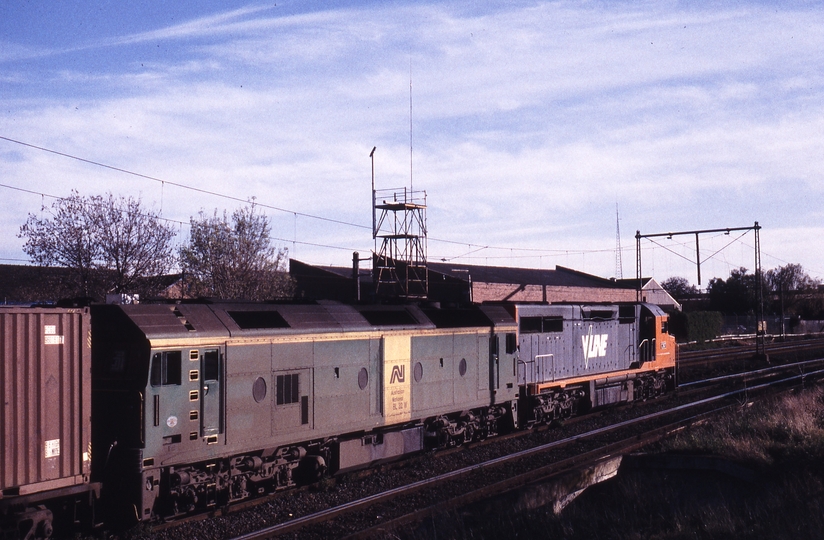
177, 184
474, 247
15, 188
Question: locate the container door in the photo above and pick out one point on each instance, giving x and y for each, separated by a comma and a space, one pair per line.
210, 404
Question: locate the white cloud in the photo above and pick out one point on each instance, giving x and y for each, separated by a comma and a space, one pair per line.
529, 123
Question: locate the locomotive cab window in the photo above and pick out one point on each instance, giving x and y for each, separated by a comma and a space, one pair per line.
166, 368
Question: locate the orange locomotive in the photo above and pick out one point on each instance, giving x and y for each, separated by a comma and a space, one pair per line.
574, 357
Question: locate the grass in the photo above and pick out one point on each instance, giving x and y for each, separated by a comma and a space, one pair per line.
781, 440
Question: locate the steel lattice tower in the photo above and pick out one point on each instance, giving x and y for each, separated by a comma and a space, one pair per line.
399, 262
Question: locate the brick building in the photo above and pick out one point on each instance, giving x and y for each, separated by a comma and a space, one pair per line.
462, 283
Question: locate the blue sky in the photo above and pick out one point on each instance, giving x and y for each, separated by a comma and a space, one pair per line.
531, 123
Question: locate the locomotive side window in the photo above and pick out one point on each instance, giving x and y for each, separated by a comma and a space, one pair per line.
665, 327
288, 389
211, 365
118, 364
511, 343
626, 314
553, 324
598, 314
537, 325
166, 368
530, 325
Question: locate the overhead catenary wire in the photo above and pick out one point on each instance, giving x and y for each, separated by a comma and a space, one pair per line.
178, 184
474, 248
164, 182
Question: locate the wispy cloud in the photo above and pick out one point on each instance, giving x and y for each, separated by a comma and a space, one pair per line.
529, 123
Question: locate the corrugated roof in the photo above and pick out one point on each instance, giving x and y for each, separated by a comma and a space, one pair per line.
560, 277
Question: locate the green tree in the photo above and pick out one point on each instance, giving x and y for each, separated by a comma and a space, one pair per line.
794, 292
679, 287
108, 243
791, 277
738, 294
232, 257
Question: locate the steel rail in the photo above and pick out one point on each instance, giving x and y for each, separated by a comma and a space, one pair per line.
542, 474
756, 373
698, 357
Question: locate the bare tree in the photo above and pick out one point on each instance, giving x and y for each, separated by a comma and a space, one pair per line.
133, 243
109, 244
233, 258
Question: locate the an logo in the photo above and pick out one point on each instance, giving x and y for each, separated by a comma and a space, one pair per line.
595, 346
398, 374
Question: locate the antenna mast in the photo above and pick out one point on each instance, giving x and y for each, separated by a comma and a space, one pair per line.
410, 125
619, 265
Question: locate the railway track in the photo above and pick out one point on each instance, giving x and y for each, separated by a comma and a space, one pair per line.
707, 357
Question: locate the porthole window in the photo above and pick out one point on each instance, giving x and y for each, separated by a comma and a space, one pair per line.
259, 389
418, 372
462, 367
363, 378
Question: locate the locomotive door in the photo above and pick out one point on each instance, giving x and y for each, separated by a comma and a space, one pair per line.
210, 404
494, 366
166, 400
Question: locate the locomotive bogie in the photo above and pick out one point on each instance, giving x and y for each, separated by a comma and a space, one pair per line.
446, 431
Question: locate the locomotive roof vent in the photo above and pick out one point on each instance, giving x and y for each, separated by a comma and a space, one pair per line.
253, 320
386, 317
456, 318
183, 320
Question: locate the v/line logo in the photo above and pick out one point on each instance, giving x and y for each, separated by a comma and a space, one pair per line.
595, 346
398, 374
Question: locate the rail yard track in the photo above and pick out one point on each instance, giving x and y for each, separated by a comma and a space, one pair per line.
744, 350
370, 504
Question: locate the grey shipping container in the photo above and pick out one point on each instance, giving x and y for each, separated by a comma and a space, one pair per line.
45, 400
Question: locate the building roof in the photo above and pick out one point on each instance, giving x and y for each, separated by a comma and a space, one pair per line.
559, 277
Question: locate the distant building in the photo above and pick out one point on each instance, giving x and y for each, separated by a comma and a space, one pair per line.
462, 283
27, 284
22, 284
